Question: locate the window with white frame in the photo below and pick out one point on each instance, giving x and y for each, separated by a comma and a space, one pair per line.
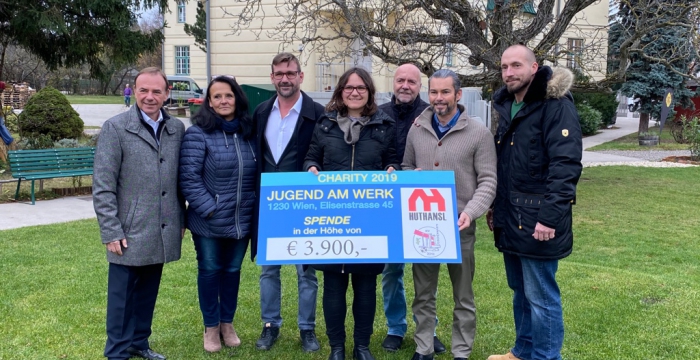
182, 60
181, 11
575, 50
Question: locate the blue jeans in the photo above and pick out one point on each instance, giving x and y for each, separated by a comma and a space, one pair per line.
539, 323
395, 299
271, 296
127, 100
219, 277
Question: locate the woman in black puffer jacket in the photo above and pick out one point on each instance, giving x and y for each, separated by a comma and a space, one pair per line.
218, 173
356, 136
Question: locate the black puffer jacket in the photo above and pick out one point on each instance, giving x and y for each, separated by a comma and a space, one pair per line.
375, 150
404, 115
539, 164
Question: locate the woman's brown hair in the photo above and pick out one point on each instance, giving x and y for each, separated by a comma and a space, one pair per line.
337, 104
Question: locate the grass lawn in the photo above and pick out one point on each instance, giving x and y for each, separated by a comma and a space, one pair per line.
96, 99
630, 142
630, 288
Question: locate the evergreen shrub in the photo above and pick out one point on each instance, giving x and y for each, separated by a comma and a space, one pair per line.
605, 103
49, 113
589, 118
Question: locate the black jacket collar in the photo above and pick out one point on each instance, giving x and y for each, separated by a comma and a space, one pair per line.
405, 108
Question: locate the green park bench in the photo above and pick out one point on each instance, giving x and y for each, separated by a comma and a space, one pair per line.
50, 164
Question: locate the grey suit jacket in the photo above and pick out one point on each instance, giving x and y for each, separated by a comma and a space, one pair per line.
135, 189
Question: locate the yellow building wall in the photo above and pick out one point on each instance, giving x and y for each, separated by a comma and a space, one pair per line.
248, 54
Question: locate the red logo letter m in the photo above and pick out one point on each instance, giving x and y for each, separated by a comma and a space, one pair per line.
435, 198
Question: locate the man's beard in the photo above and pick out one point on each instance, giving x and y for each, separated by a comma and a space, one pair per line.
286, 93
520, 87
448, 109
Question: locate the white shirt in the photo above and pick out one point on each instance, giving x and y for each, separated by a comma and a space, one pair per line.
280, 130
154, 124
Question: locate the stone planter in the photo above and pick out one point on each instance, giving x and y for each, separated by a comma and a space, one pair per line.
177, 110
648, 140
72, 191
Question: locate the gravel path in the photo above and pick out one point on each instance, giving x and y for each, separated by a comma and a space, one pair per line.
657, 164
647, 158
648, 155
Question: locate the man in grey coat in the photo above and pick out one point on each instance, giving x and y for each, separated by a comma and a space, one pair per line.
139, 211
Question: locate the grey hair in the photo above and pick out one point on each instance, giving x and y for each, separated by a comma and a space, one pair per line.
445, 74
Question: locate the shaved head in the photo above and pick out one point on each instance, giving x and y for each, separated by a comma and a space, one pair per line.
522, 52
409, 68
406, 84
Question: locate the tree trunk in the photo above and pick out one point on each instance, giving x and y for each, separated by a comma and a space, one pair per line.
2, 58
643, 122
5, 148
495, 85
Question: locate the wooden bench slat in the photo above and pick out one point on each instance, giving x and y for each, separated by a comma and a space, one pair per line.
53, 151
74, 165
52, 171
55, 175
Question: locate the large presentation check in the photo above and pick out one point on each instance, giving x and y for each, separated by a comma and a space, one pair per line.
358, 217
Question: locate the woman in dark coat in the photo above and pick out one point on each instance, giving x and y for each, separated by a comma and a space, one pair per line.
355, 136
218, 173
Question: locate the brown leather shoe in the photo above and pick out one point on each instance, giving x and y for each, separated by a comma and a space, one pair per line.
228, 333
212, 343
508, 356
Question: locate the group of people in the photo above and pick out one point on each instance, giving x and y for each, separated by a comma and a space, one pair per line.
147, 167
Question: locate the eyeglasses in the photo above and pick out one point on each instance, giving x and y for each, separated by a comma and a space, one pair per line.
291, 75
360, 89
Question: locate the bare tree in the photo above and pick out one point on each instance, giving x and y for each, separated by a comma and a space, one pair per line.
22, 66
151, 21
427, 32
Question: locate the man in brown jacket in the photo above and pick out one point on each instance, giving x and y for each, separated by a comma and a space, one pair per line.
445, 138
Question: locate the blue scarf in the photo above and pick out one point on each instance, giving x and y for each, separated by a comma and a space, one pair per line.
232, 126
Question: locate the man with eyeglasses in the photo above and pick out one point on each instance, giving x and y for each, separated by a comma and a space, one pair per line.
285, 125
404, 108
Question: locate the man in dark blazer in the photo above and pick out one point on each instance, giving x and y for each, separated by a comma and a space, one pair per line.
285, 125
139, 211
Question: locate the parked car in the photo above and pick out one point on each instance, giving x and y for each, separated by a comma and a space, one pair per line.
183, 88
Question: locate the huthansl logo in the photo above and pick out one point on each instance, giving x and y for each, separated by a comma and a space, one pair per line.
428, 200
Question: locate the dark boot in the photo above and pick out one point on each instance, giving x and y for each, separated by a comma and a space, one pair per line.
337, 353
361, 352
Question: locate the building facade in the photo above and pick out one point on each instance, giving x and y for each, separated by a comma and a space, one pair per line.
247, 54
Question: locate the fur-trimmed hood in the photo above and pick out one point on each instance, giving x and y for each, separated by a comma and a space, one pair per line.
547, 83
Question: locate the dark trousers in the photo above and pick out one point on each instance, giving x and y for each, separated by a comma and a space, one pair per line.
364, 306
131, 299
